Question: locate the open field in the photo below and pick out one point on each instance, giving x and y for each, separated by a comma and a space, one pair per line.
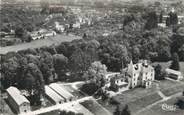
56, 40
157, 109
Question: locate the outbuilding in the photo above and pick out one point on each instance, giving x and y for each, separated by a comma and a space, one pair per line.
176, 75
62, 92
17, 101
53, 96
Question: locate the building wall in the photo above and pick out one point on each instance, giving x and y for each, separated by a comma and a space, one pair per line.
13, 103
25, 107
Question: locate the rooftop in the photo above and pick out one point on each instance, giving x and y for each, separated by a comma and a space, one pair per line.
16, 95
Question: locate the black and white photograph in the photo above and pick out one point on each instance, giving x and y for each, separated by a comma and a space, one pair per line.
91, 57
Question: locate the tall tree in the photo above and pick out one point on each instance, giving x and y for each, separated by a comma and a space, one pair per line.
175, 62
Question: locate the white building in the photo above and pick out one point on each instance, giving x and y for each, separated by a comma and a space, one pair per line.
59, 27
53, 96
62, 92
17, 101
177, 75
42, 34
140, 74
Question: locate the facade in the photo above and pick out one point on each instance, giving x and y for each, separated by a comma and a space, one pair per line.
59, 27
17, 101
140, 74
53, 96
177, 75
62, 92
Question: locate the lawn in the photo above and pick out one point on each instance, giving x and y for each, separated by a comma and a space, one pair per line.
95, 108
55, 112
157, 109
136, 99
56, 40
170, 87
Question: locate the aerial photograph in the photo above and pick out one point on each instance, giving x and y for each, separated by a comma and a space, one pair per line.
91, 57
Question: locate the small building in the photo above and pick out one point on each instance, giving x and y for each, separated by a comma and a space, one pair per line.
176, 75
53, 96
59, 27
62, 92
17, 101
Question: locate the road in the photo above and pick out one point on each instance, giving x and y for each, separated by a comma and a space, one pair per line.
57, 107
56, 40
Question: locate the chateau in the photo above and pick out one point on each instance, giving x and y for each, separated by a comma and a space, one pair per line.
140, 74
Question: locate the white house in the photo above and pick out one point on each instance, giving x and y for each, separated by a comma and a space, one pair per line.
140, 74
17, 101
59, 27
177, 75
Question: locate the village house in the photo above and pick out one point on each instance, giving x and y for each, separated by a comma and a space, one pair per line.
53, 96
17, 101
42, 33
59, 27
140, 74
62, 92
176, 75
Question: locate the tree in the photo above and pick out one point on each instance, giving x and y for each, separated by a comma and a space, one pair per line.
158, 72
96, 72
113, 86
60, 64
47, 67
19, 31
175, 62
161, 17
9, 70
122, 110
152, 20
38, 89
126, 111
172, 19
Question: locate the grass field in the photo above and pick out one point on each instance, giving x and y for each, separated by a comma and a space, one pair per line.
157, 109
94, 107
56, 40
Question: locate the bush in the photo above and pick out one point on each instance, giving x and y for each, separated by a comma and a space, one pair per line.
89, 88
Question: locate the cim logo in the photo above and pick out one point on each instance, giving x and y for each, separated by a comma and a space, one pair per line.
167, 107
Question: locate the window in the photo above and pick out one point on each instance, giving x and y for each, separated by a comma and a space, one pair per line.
25, 110
134, 74
122, 80
151, 74
146, 73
